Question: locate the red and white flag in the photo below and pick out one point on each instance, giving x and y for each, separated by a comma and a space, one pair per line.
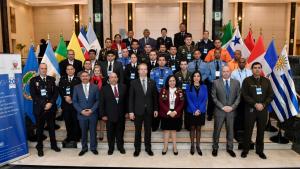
84, 44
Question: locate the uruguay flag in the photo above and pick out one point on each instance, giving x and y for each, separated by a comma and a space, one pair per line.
93, 40
29, 71
285, 103
237, 43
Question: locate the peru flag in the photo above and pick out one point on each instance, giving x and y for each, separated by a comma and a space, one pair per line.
84, 45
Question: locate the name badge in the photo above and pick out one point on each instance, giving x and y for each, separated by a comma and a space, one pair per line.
43, 92
109, 72
128, 47
132, 76
205, 51
173, 67
184, 86
68, 91
189, 56
217, 73
161, 81
258, 91
120, 54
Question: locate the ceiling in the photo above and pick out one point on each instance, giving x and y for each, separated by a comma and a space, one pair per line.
52, 2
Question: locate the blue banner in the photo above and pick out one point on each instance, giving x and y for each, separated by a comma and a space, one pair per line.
13, 144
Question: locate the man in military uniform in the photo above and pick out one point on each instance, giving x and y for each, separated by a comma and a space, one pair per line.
66, 85
186, 51
180, 36
144, 57
44, 93
163, 50
164, 39
103, 52
159, 75
173, 60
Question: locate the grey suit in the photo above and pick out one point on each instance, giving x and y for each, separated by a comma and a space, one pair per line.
220, 99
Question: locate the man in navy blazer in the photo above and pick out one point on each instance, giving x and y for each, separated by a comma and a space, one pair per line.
86, 100
147, 40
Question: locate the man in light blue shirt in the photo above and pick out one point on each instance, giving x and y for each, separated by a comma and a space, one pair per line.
198, 64
241, 72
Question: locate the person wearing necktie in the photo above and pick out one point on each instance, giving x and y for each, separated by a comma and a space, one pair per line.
131, 72
198, 65
147, 40
180, 36
164, 39
135, 48
44, 94
66, 86
113, 110
173, 60
226, 96
70, 61
128, 41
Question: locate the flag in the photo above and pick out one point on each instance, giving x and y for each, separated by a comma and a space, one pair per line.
84, 44
227, 34
61, 50
93, 40
249, 41
237, 43
29, 71
285, 103
74, 44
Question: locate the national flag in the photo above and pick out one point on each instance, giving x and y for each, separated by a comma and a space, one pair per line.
237, 43
74, 44
61, 50
84, 44
93, 40
285, 103
29, 71
227, 34
249, 41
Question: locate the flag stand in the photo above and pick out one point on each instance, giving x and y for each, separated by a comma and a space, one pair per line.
279, 138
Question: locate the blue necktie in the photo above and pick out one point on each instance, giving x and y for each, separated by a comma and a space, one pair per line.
227, 89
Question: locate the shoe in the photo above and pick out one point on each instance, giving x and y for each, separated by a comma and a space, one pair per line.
164, 152
56, 149
100, 138
209, 118
175, 153
40, 153
244, 154
192, 151
136, 153
122, 151
110, 152
95, 152
150, 152
199, 150
82, 152
231, 153
262, 155
215, 152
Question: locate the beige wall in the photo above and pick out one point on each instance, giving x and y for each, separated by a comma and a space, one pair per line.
272, 18
84, 15
119, 18
53, 20
195, 20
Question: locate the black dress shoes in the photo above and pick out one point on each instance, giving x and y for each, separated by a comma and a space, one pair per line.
244, 154
199, 151
110, 152
215, 152
231, 153
261, 155
82, 152
40, 153
136, 153
192, 151
122, 150
56, 149
95, 152
150, 152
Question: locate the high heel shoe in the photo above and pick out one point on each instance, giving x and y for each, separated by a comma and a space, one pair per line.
175, 152
164, 152
192, 151
199, 150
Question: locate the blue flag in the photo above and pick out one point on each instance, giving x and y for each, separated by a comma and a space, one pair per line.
29, 71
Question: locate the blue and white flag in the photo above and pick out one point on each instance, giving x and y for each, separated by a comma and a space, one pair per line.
93, 40
285, 103
237, 43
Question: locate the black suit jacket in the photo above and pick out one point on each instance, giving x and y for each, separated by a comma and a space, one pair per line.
150, 66
117, 68
140, 103
63, 65
127, 42
179, 39
109, 106
64, 84
127, 74
161, 41
151, 42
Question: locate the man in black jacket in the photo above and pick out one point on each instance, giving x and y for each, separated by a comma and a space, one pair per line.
77, 64
205, 45
179, 37
164, 40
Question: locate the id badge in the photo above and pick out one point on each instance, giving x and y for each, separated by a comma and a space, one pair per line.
205, 51
189, 56
184, 86
109, 72
43, 92
161, 81
217, 73
132, 76
128, 47
173, 67
68, 91
258, 91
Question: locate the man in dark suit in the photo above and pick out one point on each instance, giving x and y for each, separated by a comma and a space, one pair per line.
93, 59
111, 65
147, 40
173, 60
179, 37
131, 71
66, 86
128, 41
70, 61
144, 56
44, 94
112, 110
205, 45
86, 101
135, 48
164, 39
152, 63
143, 107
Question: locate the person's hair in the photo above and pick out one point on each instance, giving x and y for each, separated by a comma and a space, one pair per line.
133, 54
87, 60
205, 31
69, 65
187, 36
183, 60
147, 44
70, 50
217, 38
167, 81
192, 79
182, 24
142, 64
153, 50
161, 56
92, 50
163, 29
162, 45
96, 67
80, 73
256, 63
134, 40
146, 30
110, 52
118, 35
173, 46
43, 64
107, 39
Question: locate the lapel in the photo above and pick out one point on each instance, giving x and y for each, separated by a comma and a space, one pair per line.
113, 94
141, 86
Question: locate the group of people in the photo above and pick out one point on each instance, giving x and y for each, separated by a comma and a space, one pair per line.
156, 84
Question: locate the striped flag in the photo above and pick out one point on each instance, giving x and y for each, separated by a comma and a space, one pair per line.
74, 44
61, 50
93, 40
84, 44
285, 103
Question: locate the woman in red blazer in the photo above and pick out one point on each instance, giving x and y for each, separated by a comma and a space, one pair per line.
118, 45
171, 102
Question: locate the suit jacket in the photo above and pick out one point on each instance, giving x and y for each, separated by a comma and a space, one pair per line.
205, 47
80, 102
150, 66
117, 68
109, 106
127, 74
164, 103
64, 84
127, 42
219, 94
196, 101
63, 65
161, 41
179, 39
151, 42
140, 103
138, 52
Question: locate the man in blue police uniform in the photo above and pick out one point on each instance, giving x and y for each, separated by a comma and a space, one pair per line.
205, 45
159, 75
125, 59
200, 65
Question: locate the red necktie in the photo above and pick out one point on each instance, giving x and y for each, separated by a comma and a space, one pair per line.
116, 92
